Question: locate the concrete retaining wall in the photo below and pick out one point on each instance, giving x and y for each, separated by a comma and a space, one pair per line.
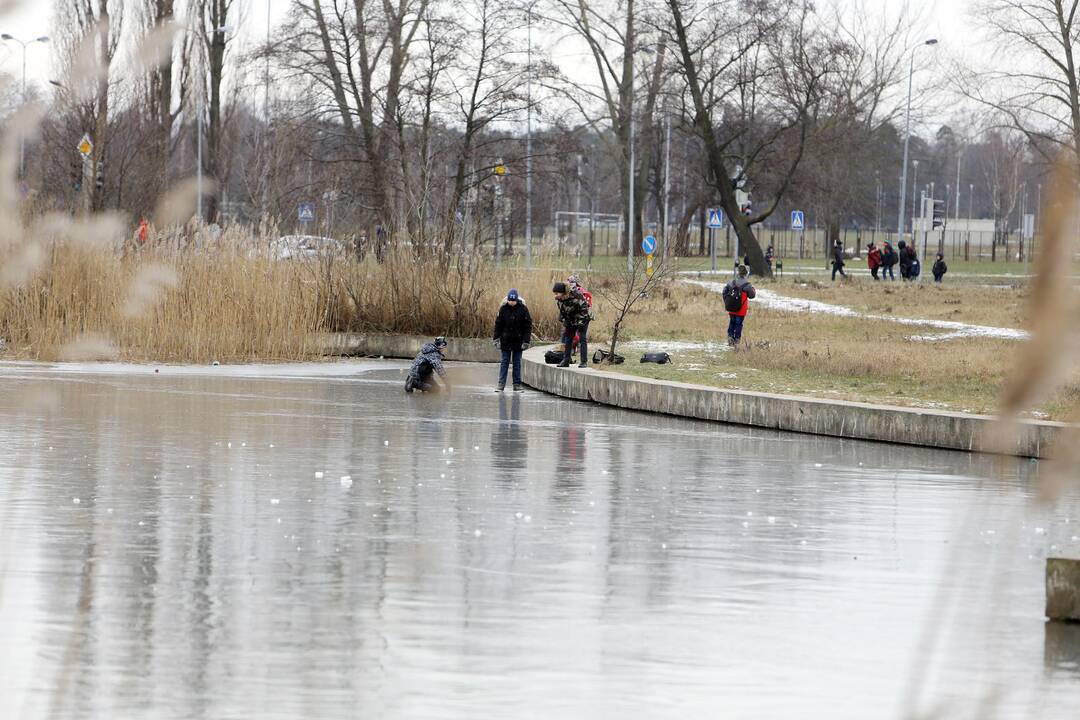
911, 426
404, 346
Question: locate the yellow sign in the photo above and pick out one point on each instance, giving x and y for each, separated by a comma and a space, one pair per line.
500, 170
85, 146
648, 266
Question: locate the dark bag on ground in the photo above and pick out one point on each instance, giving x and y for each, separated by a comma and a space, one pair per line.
732, 297
603, 356
553, 357
660, 358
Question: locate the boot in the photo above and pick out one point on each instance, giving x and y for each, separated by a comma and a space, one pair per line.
567, 356
500, 387
518, 387
410, 384
584, 355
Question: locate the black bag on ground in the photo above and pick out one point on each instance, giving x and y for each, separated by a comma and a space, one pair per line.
660, 358
602, 355
732, 297
553, 357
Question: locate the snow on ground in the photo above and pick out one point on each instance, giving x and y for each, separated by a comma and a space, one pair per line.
775, 301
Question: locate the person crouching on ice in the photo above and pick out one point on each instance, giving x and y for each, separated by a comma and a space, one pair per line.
424, 367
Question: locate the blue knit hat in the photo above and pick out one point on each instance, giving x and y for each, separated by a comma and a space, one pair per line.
513, 294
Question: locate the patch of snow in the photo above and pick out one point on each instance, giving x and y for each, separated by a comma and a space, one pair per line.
774, 301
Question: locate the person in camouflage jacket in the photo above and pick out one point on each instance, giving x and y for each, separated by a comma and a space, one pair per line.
575, 316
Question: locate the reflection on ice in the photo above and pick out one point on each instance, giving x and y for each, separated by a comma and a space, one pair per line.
175, 545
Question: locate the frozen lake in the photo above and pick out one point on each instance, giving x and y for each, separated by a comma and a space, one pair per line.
167, 550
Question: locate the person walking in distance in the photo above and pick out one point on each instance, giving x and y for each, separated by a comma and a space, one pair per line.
888, 260
737, 295
873, 259
513, 331
940, 268
574, 314
838, 260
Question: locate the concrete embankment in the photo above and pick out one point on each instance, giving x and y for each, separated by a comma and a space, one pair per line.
862, 421
403, 346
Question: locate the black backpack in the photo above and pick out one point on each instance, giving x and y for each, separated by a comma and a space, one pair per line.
732, 297
660, 358
601, 355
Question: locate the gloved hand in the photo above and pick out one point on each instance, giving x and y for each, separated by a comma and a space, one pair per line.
525, 346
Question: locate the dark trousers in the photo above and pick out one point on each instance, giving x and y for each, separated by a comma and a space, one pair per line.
873, 271
838, 268
887, 271
568, 333
734, 327
504, 365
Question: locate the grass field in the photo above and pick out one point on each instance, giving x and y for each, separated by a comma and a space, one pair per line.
841, 357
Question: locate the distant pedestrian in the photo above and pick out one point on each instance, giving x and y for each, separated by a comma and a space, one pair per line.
889, 258
906, 255
838, 260
513, 331
873, 259
940, 268
770, 255
737, 295
575, 316
427, 364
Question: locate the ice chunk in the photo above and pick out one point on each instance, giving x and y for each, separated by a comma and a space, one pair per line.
76, 500
274, 501
318, 475
478, 532
1040, 531
386, 443
528, 518
346, 481
451, 449
519, 515
772, 520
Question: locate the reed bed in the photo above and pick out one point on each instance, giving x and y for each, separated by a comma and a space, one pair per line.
189, 298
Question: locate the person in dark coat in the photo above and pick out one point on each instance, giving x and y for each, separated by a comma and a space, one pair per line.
940, 268
888, 260
907, 255
513, 331
737, 318
838, 260
426, 365
873, 259
770, 255
575, 316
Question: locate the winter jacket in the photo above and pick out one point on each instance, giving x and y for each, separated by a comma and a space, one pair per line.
889, 258
574, 310
939, 269
513, 326
748, 293
873, 259
838, 256
429, 354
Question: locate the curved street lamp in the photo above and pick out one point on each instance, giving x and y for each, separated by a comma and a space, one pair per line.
907, 138
6, 37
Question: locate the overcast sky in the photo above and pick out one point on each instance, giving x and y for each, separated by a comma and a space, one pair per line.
947, 21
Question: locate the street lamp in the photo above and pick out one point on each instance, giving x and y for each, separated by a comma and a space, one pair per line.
22, 140
907, 138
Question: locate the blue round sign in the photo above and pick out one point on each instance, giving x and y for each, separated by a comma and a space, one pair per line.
648, 244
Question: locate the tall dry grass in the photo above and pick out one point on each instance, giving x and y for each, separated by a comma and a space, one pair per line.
187, 297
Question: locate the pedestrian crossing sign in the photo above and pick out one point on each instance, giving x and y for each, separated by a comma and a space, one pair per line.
798, 220
716, 218
306, 212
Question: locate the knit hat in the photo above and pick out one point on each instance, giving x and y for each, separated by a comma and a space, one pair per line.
513, 294
440, 342
558, 287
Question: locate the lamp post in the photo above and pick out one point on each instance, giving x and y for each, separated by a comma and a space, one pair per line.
22, 140
907, 138
528, 148
914, 189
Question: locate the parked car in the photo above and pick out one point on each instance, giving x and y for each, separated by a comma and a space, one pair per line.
304, 247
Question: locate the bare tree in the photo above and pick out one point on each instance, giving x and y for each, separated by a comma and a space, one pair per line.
769, 68
1034, 83
624, 289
